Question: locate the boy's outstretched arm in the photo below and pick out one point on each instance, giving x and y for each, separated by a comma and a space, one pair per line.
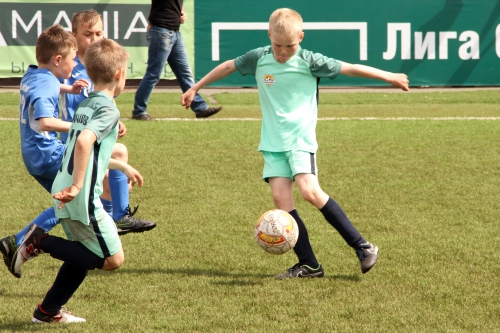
134, 177
76, 88
397, 80
217, 73
53, 124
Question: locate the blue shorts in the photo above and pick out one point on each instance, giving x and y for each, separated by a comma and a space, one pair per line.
287, 164
47, 178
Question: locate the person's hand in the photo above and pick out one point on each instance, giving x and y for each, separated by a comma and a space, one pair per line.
77, 87
399, 80
122, 130
66, 195
134, 177
183, 17
187, 98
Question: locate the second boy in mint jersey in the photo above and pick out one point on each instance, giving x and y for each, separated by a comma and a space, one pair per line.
287, 78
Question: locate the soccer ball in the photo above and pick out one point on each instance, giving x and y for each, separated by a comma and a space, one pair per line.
276, 232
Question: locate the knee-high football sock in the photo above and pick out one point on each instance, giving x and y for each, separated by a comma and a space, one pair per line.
73, 253
337, 218
303, 248
118, 186
108, 206
46, 220
67, 282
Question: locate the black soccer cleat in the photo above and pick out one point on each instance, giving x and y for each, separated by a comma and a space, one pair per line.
128, 223
8, 247
304, 271
367, 255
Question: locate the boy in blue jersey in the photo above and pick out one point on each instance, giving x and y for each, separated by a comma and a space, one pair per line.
38, 118
39, 123
287, 78
93, 241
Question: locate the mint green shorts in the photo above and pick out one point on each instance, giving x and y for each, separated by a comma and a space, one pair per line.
287, 164
100, 237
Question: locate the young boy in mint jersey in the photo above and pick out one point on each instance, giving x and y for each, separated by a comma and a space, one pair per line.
39, 123
287, 78
87, 27
93, 241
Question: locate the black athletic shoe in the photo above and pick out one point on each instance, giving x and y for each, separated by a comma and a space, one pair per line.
28, 249
210, 111
8, 247
128, 223
368, 255
304, 271
143, 116
63, 316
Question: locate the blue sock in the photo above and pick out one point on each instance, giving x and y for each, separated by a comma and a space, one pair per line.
118, 186
108, 206
46, 220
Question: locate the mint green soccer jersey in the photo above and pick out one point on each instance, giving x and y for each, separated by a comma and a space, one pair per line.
288, 96
99, 114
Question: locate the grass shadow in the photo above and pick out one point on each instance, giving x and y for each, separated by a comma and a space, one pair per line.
215, 273
23, 326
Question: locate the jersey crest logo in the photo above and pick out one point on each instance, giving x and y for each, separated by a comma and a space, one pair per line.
269, 79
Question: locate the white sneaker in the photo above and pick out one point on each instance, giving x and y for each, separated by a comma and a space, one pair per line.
63, 316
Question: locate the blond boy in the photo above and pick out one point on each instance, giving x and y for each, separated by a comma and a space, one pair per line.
94, 242
87, 27
287, 78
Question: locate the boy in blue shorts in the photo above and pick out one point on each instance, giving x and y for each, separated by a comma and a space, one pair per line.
287, 78
93, 241
39, 123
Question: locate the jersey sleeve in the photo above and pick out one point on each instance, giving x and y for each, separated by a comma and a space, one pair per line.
321, 66
103, 122
247, 63
45, 100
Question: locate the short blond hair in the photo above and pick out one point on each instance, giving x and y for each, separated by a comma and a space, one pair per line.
91, 17
285, 22
103, 59
54, 41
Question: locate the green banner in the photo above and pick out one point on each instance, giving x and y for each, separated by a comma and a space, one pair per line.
124, 21
435, 42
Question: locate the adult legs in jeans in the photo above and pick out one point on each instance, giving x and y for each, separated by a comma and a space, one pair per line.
162, 42
179, 64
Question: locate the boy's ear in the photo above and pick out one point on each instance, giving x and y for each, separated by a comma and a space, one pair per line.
301, 36
119, 74
56, 60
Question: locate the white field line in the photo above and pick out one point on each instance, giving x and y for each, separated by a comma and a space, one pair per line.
320, 119
337, 118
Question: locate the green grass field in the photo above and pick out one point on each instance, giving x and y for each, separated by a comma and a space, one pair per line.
418, 175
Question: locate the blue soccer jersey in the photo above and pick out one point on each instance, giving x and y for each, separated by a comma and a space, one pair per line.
70, 102
39, 99
288, 96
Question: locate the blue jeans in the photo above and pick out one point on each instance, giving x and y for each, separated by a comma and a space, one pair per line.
165, 45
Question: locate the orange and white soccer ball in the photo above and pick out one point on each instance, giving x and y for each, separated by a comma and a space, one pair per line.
276, 231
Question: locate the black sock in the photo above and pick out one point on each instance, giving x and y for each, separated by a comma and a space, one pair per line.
337, 218
67, 282
303, 248
73, 253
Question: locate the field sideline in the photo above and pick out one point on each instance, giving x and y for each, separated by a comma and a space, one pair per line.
417, 173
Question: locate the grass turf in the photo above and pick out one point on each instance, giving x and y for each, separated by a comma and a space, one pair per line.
425, 191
